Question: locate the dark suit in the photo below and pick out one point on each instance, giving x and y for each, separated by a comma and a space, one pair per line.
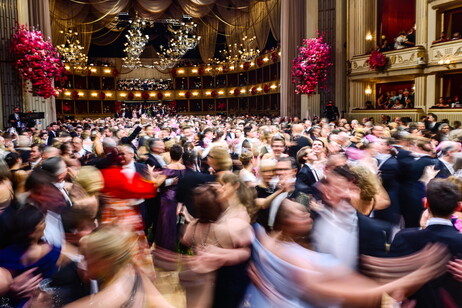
301, 142
152, 161
374, 236
51, 136
186, 185
409, 241
305, 179
389, 172
414, 191
13, 122
444, 171
434, 129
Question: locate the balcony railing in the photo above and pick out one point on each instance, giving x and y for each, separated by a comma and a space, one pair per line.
402, 59
447, 53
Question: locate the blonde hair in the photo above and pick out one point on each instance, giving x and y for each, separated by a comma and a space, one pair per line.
367, 182
245, 194
113, 245
245, 158
221, 157
90, 179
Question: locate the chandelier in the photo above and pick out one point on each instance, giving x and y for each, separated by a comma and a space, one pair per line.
136, 41
71, 51
183, 40
245, 51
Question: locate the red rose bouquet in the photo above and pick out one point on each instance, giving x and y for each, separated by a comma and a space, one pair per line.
377, 61
37, 60
310, 67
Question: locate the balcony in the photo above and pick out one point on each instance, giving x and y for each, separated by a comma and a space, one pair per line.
447, 55
409, 59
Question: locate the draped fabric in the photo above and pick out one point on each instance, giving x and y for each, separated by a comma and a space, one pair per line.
395, 16
206, 29
292, 29
236, 17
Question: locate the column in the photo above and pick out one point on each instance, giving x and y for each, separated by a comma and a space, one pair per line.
420, 91
311, 105
422, 19
431, 91
292, 33
39, 15
340, 55
358, 97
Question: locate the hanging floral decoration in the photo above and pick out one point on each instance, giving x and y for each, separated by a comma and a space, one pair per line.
377, 61
214, 93
160, 96
145, 95
274, 56
310, 67
37, 60
130, 96
102, 95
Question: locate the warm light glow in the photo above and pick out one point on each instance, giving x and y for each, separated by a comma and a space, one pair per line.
180, 72
231, 67
231, 91
440, 62
93, 70
447, 62
208, 93
208, 69
195, 93
138, 94
221, 92
81, 94
123, 94
368, 90
241, 66
265, 59
273, 86
67, 67
167, 94
67, 93
94, 94
243, 91
279, 53
194, 70
107, 71
259, 89
252, 63
369, 37
109, 94
181, 93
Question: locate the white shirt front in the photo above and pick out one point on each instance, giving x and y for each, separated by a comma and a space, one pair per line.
54, 230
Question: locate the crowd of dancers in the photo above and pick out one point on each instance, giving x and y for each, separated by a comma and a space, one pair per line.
246, 211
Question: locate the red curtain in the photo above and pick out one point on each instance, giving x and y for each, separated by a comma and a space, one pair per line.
395, 16
394, 86
452, 85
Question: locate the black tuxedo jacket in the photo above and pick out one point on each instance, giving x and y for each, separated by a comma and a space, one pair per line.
444, 171
389, 171
374, 236
152, 161
409, 241
51, 135
12, 120
186, 185
301, 141
305, 179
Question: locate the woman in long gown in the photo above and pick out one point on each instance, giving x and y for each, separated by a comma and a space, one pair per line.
286, 274
166, 235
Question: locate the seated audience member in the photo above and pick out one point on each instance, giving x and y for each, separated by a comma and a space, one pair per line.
443, 38
369, 105
397, 105
410, 42
456, 36
400, 40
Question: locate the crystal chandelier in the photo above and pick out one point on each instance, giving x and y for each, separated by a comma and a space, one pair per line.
72, 51
136, 41
245, 51
183, 40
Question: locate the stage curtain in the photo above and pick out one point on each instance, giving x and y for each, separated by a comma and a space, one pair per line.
396, 16
195, 10
208, 32
259, 21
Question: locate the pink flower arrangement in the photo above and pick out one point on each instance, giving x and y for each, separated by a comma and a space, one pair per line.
37, 60
377, 61
310, 67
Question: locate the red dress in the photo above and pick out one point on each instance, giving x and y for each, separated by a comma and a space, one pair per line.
119, 192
